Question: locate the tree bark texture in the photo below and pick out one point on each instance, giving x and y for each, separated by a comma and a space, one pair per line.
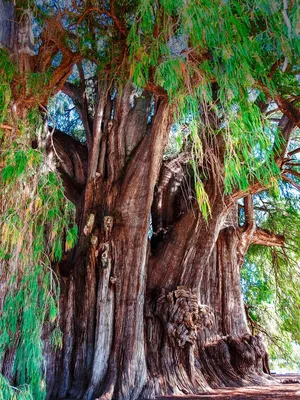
103, 292
146, 314
151, 300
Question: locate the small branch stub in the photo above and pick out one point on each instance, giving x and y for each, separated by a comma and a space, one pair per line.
108, 225
105, 255
89, 225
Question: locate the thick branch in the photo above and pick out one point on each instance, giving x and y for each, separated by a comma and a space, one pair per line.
286, 127
103, 90
291, 153
78, 96
249, 212
72, 163
84, 104
267, 238
292, 172
286, 107
73, 92
172, 196
53, 41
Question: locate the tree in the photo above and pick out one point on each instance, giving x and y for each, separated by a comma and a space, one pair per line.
150, 298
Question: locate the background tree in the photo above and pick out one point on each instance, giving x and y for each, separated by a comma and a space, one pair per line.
150, 297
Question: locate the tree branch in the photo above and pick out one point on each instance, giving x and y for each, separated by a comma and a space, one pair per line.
72, 163
267, 238
103, 91
111, 14
286, 128
85, 113
73, 92
249, 212
291, 153
286, 107
289, 180
292, 172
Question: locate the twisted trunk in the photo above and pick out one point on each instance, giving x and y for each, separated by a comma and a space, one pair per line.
103, 297
196, 329
141, 316
144, 315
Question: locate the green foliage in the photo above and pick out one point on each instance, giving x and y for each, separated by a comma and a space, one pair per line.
35, 81
250, 155
233, 44
212, 53
36, 224
8, 392
271, 278
7, 70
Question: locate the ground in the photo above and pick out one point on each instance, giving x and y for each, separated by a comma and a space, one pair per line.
288, 389
282, 392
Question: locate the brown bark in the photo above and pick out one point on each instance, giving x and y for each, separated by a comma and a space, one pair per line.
196, 326
197, 337
103, 298
143, 318
191, 333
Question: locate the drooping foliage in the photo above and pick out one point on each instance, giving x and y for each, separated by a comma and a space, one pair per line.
223, 55
227, 56
35, 229
190, 49
270, 276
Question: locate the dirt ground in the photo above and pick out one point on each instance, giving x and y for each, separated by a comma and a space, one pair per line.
289, 389
282, 392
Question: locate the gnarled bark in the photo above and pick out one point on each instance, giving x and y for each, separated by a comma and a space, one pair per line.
142, 316
103, 300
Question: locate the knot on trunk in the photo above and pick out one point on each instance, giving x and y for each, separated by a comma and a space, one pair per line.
87, 230
183, 315
108, 225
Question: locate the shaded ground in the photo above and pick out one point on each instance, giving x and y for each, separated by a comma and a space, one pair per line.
281, 392
289, 389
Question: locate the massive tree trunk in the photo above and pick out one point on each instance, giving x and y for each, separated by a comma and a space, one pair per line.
196, 328
103, 292
145, 314
151, 299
